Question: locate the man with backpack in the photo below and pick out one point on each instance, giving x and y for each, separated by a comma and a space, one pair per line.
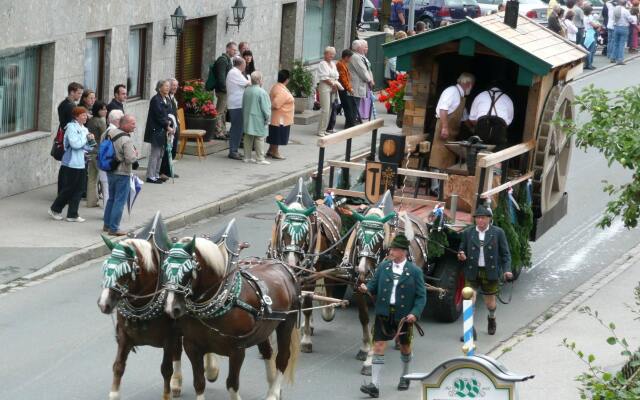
217, 81
65, 109
491, 114
118, 161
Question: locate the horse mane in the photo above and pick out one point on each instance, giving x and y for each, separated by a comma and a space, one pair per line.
210, 254
145, 253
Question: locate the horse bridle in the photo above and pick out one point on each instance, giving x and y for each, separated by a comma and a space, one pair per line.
294, 247
123, 290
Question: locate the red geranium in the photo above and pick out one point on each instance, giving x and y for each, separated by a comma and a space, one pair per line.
393, 96
197, 100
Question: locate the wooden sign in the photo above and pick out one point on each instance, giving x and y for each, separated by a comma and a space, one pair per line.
391, 149
379, 177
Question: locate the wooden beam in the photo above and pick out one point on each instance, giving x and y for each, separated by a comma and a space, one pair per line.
401, 171
506, 154
350, 133
525, 77
573, 72
406, 200
507, 185
467, 47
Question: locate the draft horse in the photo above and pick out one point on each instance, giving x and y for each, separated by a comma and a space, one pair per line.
132, 284
306, 237
225, 308
367, 247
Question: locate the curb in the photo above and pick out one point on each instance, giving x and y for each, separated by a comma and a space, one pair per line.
173, 223
606, 67
569, 303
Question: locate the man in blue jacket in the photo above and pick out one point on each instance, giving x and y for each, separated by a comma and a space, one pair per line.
485, 253
400, 296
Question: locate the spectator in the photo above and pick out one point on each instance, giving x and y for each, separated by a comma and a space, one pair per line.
633, 30
553, 20
390, 71
256, 113
65, 108
242, 47
87, 100
96, 126
77, 140
361, 78
327, 88
159, 126
346, 93
119, 179
621, 21
236, 84
251, 66
114, 122
282, 108
420, 27
119, 98
578, 19
607, 15
166, 171
591, 35
222, 67
397, 18
570, 28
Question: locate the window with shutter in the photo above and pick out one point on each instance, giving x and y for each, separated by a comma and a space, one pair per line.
189, 51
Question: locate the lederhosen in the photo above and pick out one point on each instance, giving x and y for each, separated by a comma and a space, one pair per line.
385, 328
440, 156
491, 128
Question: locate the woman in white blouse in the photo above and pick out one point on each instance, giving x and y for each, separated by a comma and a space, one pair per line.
328, 87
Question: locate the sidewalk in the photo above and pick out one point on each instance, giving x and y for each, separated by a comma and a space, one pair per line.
539, 350
33, 241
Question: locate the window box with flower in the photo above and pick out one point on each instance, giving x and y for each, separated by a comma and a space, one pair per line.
393, 97
199, 107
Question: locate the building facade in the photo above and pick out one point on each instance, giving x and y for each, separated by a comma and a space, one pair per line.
46, 45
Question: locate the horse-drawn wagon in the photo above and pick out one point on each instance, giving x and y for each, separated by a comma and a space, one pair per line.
523, 179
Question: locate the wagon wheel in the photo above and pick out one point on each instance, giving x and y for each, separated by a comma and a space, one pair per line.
553, 151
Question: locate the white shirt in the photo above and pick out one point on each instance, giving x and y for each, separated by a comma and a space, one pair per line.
571, 29
482, 102
481, 262
236, 83
450, 100
327, 71
610, 6
397, 269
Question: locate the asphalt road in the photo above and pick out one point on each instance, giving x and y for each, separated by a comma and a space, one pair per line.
57, 345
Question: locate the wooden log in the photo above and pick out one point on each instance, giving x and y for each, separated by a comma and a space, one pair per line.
506, 154
506, 185
350, 133
325, 299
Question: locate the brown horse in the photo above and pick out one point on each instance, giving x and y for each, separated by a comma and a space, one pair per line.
225, 308
132, 285
305, 235
367, 247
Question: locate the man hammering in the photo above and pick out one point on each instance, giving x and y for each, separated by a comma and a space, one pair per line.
485, 253
400, 296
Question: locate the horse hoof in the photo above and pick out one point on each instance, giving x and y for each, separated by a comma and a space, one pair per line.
366, 370
361, 356
114, 395
328, 314
166, 396
176, 392
306, 347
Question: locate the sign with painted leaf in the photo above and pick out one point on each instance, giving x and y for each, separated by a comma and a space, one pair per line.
379, 177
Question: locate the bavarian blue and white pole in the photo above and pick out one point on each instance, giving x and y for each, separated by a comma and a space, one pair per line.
467, 313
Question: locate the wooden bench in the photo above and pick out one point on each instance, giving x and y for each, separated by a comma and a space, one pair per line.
190, 134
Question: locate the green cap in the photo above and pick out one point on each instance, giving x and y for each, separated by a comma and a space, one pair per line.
483, 211
400, 242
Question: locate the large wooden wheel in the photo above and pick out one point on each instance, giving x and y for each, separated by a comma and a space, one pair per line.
553, 151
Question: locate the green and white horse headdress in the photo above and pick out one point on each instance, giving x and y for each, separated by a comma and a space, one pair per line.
296, 222
371, 232
179, 263
122, 261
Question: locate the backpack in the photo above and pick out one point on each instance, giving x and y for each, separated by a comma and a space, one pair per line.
57, 148
491, 128
107, 160
211, 78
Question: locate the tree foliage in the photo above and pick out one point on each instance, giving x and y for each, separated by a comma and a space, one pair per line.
301, 81
613, 129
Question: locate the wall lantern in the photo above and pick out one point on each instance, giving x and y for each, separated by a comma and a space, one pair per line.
238, 14
177, 24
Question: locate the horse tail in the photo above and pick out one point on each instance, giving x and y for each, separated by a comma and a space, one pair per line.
294, 352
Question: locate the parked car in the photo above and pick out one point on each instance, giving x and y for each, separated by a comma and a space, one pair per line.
489, 6
370, 17
433, 12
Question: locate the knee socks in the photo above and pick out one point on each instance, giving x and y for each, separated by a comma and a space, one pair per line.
492, 313
376, 368
406, 359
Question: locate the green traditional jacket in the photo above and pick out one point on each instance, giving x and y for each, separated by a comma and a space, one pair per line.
497, 257
411, 294
256, 111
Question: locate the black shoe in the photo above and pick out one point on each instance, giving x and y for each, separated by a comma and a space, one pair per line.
158, 181
491, 326
235, 156
371, 390
403, 384
475, 336
590, 67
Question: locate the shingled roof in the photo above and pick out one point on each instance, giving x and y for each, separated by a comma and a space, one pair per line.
530, 45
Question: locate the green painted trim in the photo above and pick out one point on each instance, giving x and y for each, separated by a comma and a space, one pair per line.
467, 47
472, 31
525, 77
404, 62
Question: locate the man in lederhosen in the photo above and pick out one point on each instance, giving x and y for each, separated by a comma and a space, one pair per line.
450, 112
485, 253
400, 296
491, 114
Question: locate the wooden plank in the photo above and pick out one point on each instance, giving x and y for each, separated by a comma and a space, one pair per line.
401, 171
396, 199
350, 133
508, 153
507, 185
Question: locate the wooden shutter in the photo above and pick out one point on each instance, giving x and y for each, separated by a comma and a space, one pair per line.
189, 51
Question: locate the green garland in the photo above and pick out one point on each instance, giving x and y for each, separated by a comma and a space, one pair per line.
525, 225
438, 240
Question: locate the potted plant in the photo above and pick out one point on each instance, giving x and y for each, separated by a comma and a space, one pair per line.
393, 97
301, 86
199, 107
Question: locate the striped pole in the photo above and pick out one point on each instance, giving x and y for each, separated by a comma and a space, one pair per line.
467, 313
